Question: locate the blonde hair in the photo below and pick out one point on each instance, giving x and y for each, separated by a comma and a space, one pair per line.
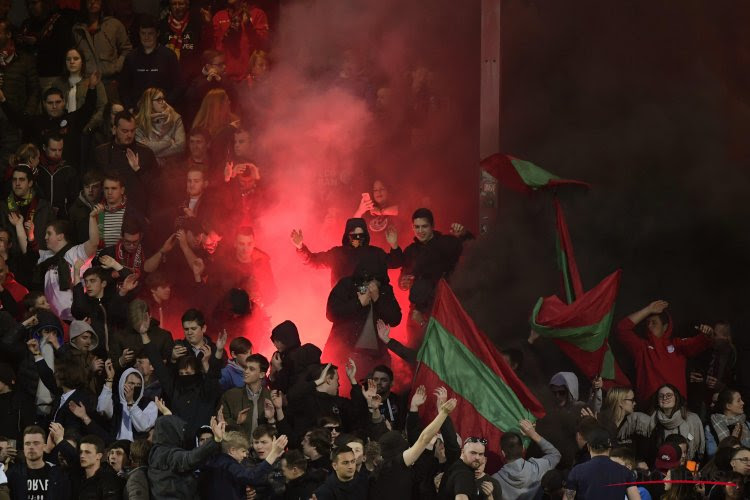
612, 400
235, 439
146, 109
256, 56
215, 112
23, 154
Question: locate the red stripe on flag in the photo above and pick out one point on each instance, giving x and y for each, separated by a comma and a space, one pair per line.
566, 245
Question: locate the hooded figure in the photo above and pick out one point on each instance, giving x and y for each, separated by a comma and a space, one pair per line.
171, 468
295, 358
129, 421
569, 382
343, 260
354, 330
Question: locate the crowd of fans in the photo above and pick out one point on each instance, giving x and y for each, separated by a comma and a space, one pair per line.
133, 297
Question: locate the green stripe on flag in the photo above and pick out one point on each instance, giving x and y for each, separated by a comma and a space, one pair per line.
562, 264
588, 337
468, 376
608, 365
531, 175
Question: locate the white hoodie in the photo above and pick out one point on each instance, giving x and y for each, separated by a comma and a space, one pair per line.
133, 417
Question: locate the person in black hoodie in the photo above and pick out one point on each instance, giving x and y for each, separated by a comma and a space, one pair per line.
17, 409
299, 485
291, 360
355, 305
355, 245
56, 179
92, 478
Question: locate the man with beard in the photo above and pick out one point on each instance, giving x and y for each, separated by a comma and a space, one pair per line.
458, 480
79, 210
25, 202
355, 245
30, 476
57, 181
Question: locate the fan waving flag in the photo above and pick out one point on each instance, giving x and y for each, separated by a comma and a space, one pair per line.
456, 354
522, 175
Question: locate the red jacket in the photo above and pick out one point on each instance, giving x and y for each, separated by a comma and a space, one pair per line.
659, 361
252, 36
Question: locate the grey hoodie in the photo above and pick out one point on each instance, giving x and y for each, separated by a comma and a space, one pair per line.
520, 479
132, 418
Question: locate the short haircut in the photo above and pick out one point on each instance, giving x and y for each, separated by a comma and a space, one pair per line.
320, 439
188, 362
512, 445
94, 440
53, 136
245, 231
131, 226
328, 420
139, 451
624, 453
264, 430
194, 314
340, 451
240, 345
52, 91
61, 227
319, 371
677, 439
111, 175
147, 21
97, 271
209, 55
123, 115
156, 279
260, 360
137, 311
295, 459
24, 169
91, 177
354, 439
424, 213
200, 131
241, 130
34, 429
234, 439
384, 369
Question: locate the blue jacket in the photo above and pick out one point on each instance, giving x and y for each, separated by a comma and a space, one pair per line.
232, 375
225, 478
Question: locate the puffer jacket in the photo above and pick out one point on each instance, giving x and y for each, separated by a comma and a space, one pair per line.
171, 467
106, 49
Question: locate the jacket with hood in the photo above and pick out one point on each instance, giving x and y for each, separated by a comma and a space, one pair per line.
349, 316
170, 466
659, 361
130, 339
128, 421
224, 477
107, 314
104, 50
343, 260
192, 397
522, 478
295, 358
232, 375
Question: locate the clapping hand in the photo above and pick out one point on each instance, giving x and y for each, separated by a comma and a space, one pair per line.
457, 229
162, 407
419, 398
351, 371
384, 331
297, 237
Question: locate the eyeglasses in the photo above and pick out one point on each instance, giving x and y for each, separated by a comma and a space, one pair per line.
474, 439
356, 236
666, 396
744, 460
158, 99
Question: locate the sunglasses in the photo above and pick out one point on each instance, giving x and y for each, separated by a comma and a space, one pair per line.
479, 440
333, 428
356, 236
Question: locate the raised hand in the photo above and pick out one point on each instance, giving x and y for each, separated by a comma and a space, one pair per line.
221, 340
364, 298
30, 321
441, 396
178, 351
419, 398
384, 331
269, 410
198, 267
109, 370
29, 227
276, 363
162, 407
128, 392
57, 431
51, 338
78, 410
277, 398
371, 391
322, 377
168, 244
391, 236
109, 262
586, 412
351, 371
15, 219
457, 229
127, 357
220, 414
658, 306
448, 406
133, 159
374, 291
528, 429
218, 428
297, 237
242, 416
33, 346
98, 208
129, 284
405, 281
279, 444
94, 79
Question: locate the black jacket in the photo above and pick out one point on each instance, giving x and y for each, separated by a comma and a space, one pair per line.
62, 414
140, 71
138, 185
59, 188
111, 309
58, 487
301, 488
17, 411
171, 468
307, 406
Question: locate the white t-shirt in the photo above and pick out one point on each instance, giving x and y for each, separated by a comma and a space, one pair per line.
61, 301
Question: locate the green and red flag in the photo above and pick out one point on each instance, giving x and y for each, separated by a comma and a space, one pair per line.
457, 355
522, 175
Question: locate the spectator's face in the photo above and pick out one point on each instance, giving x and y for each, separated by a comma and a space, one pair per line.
379, 193
333, 387
193, 332
242, 145
3, 270
628, 404
345, 466
244, 247
561, 394
307, 449
252, 373
178, 8
54, 105
473, 454
279, 345
260, 67
666, 398
148, 38
162, 292
113, 192
262, 446
125, 132
89, 456
93, 192
211, 242
238, 454
158, 103
359, 452
196, 184
241, 358
54, 150
130, 242
116, 458
94, 285
655, 325
41, 303
736, 407
422, 229
73, 61
290, 473
198, 146
134, 382
352, 240
741, 462
4, 242
334, 429
21, 184
204, 437
143, 365
83, 341
54, 240
383, 382
684, 456
94, 6
33, 446
217, 65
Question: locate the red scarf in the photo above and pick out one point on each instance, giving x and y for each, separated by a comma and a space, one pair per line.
8, 53
176, 27
132, 261
49, 164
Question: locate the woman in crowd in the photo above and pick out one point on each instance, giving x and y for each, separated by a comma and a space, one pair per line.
215, 115
74, 87
159, 125
680, 491
670, 416
728, 421
618, 404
